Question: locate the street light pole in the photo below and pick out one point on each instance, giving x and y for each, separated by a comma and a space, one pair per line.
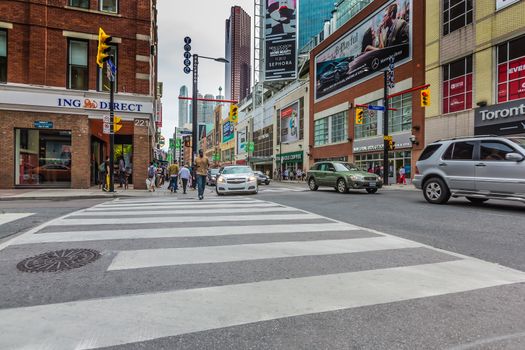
385, 131
194, 111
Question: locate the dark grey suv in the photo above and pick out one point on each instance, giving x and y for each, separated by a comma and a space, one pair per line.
478, 168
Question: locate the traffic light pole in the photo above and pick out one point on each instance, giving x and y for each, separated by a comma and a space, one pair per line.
385, 131
111, 134
194, 108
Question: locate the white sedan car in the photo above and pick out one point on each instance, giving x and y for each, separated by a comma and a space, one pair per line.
236, 179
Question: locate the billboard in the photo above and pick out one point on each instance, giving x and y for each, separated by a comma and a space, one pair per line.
280, 39
501, 4
241, 141
290, 123
365, 51
227, 131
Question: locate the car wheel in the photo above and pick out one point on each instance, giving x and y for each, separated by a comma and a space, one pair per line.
311, 183
436, 191
371, 190
267, 183
475, 200
341, 186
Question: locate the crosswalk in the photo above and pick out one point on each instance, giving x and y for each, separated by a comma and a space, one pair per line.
220, 263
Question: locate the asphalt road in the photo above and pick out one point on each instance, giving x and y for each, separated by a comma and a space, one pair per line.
493, 231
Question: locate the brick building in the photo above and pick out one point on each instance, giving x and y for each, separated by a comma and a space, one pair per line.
347, 70
53, 96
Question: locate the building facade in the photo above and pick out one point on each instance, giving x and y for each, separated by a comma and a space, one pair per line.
238, 53
347, 71
54, 97
312, 15
475, 62
184, 115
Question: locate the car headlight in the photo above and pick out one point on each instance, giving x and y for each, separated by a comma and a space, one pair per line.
252, 178
221, 179
354, 178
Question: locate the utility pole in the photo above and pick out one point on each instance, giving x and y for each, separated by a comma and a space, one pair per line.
112, 133
385, 131
194, 118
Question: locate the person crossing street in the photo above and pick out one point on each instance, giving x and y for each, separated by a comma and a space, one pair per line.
201, 164
184, 175
173, 172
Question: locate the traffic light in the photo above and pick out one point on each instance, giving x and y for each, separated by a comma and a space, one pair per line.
391, 145
117, 124
234, 113
104, 49
359, 116
425, 97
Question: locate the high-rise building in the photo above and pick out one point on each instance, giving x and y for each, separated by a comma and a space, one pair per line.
208, 107
312, 15
238, 53
184, 116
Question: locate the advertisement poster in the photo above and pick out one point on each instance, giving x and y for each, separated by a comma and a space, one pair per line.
280, 37
365, 50
290, 123
227, 131
241, 141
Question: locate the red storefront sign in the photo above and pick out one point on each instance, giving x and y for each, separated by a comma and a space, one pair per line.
511, 80
457, 94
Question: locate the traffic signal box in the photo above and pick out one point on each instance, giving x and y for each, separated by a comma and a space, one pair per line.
117, 124
104, 49
425, 97
359, 116
391, 143
234, 113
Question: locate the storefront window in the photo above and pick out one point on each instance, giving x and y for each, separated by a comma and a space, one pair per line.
3, 56
43, 157
321, 132
373, 163
103, 80
78, 65
370, 122
457, 85
401, 118
511, 72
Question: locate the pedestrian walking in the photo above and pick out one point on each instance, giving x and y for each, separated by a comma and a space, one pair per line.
121, 171
102, 175
173, 172
150, 181
184, 174
402, 176
201, 169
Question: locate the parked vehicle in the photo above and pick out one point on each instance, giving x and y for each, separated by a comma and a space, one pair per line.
262, 178
478, 168
342, 176
211, 176
236, 179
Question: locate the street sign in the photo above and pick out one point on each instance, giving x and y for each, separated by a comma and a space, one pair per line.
177, 143
250, 146
106, 129
39, 124
376, 108
106, 119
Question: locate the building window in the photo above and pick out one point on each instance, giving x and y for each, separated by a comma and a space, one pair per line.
78, 65
263, 142
401, 118
321, 132
457, 85
3, 56
79, 3
103, 80
456, 15
511, 70
339, 127
109, 6
370, 122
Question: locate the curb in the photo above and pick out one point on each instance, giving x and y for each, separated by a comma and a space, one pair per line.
65, 198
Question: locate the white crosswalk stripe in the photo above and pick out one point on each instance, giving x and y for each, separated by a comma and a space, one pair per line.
125, 318
9, 217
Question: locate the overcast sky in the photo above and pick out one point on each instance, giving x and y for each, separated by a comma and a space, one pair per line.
203, 21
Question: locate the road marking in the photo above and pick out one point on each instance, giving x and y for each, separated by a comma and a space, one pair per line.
137, 259
229, 211
155, 315
201, 218
8, 217
185, 207
180, 203
178, 232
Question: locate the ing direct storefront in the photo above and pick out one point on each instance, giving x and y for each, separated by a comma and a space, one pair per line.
57, 138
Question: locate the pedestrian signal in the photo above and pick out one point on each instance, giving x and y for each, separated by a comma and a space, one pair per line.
359, 116
234, 113
117, 124
391, 145
425, 97
104, 49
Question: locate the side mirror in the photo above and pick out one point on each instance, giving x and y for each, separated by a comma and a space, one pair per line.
514, 157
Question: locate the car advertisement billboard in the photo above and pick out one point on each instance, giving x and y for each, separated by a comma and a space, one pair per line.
290, 123
280, 38
366, 50
227, 131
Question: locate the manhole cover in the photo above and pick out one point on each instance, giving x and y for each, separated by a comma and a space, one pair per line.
59, 260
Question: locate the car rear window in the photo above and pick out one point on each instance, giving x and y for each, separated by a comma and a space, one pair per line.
429, 151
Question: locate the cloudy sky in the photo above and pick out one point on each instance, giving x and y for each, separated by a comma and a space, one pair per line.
203, 21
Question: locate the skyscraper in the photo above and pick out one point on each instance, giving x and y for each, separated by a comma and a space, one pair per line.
184, 116
238, 53
312, 15
208, 107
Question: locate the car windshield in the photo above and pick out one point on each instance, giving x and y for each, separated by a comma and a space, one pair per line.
214, 171
237, 170
345, 167
519, 141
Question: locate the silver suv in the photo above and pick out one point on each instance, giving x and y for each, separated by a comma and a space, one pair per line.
479, 168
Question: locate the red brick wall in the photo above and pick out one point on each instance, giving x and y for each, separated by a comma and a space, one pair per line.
413, 69
141, 156
80, 144
37, 49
